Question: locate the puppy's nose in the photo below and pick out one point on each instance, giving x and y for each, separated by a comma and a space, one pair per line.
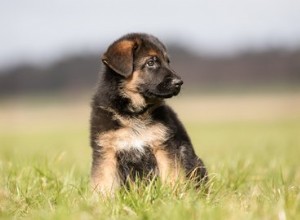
177, 82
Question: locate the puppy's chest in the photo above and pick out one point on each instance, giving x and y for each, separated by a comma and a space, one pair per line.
135, 135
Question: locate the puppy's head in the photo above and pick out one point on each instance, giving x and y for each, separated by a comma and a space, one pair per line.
142, 61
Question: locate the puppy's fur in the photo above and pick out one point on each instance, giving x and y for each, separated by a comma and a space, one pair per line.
133, 132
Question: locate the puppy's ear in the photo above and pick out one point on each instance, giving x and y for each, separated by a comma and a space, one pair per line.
119, 57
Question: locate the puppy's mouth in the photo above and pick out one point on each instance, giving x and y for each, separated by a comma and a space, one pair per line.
162, 94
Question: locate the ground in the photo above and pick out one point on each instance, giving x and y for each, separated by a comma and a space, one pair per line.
250, 143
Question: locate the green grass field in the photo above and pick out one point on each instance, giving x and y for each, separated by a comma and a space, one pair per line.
250, 144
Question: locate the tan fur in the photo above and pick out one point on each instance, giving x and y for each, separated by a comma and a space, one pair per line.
135, 133
124, 46
129, 90
105, 177
170, 170
153, 53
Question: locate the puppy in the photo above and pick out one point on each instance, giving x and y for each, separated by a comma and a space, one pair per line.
134, 134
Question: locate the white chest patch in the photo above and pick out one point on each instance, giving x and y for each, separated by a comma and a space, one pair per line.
136, 134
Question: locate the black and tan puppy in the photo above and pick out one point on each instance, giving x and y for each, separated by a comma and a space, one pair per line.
133, 132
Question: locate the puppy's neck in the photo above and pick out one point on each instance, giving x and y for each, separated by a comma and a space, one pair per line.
126, 112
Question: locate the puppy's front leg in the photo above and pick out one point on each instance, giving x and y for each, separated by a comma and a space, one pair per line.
169, 167
105, 178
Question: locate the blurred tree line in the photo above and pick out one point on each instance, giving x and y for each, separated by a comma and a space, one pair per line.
80, 73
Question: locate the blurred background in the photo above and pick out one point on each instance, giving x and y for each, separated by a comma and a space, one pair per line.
55, 47
240, 61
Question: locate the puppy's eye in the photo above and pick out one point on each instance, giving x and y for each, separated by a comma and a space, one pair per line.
151, 63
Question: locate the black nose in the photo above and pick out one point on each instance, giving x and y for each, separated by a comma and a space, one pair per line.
177, 82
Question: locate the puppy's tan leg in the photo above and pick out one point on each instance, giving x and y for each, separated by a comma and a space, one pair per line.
169, 168
105, 178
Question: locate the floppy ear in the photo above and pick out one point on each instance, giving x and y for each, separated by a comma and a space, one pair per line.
119, 57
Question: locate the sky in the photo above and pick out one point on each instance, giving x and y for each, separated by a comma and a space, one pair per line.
42, 31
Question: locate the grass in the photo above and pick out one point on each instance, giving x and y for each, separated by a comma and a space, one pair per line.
253, 164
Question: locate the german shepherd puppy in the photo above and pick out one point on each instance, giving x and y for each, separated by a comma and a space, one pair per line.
133, 132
